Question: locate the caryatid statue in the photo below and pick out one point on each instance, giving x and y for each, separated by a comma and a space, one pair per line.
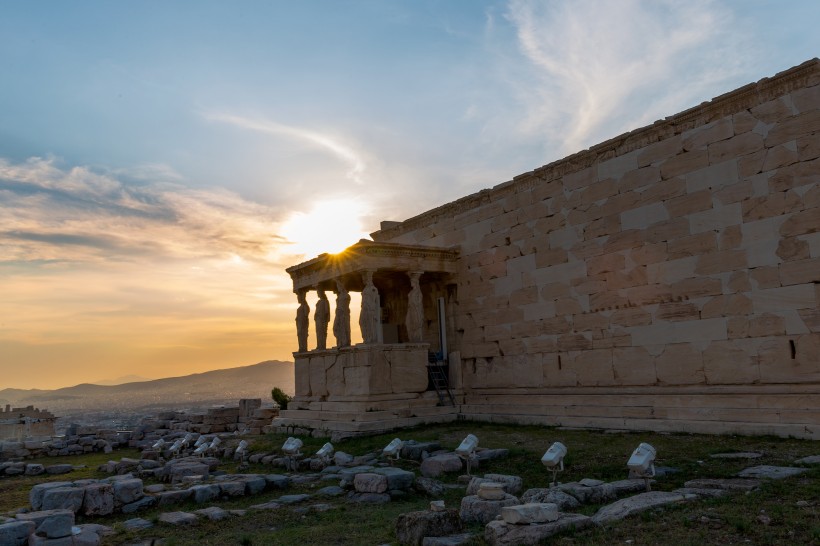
302, 320
370, 317
415, 310
322, 318
341, 322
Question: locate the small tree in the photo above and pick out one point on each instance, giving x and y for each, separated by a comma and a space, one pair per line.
280, 398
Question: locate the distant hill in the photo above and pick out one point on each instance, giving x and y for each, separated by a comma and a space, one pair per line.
120, 380
218, 386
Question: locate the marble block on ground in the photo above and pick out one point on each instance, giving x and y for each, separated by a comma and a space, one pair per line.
501, 533
478, 510
771, 472
16, 533
412, 527
632, 505
51, 523
177, 518
524, 514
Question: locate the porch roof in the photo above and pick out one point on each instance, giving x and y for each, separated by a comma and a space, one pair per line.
365, 255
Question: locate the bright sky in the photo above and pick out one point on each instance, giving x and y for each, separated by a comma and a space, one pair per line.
162, 162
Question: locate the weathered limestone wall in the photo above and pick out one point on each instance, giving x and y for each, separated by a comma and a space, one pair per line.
359, 372
668, 278
28, 422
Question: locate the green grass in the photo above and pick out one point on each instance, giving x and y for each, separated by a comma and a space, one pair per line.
737, 519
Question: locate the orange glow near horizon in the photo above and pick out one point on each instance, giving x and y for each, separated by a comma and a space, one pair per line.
152, 281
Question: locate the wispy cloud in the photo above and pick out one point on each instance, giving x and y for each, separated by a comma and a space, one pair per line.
75, 214
595, 63
341, 150
134, 275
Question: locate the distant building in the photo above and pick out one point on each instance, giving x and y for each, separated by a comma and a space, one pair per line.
667, 279
24, 423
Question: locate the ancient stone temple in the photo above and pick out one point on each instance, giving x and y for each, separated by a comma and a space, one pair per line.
666, 279
25, 423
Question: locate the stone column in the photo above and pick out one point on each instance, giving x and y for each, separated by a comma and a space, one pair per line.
302, 320
370, 317
341, 322
414, 321
321, 317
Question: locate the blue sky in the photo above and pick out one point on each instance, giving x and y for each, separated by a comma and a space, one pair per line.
161, 162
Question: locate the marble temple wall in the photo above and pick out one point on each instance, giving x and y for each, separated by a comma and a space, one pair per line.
667, 279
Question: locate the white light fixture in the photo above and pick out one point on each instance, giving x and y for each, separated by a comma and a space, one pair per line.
466, 449
201, 440
201, 449
554, 459
291, 448
393, 449
158, 444
642, 462
241, 450
326, 452
176, 447
215, 443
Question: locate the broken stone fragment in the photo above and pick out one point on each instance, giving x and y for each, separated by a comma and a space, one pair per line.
474, 509
491, 491
50, 523
412, 527
368, 482
635, 504
771, 472
435, 466
564, 500
177, 518
523, 514
501, 533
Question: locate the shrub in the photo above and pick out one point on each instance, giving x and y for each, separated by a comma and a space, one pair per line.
280, 398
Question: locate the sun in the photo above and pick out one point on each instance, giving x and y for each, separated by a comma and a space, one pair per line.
330, 226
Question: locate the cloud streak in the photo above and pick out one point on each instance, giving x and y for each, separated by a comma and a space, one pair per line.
594, 61
77, 215
321, 141
134, 276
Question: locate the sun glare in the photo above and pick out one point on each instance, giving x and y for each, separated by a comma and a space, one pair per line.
331, 226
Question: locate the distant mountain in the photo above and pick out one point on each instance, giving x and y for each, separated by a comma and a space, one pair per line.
215, 387
121, 380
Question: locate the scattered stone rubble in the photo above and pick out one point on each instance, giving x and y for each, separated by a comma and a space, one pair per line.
248, 418
493, 500
542, 513
51, 528
78, 440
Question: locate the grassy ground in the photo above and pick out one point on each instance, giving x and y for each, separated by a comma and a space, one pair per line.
782, 512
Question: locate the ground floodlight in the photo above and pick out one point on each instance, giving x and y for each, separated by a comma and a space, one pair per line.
642, 462
554, 459
326, 452
291, 449
241, 449
467, 445
393, 449
466, 449
201, 440
215, 442
201, 449
158, 444
175, 449
187, 439
292, 446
